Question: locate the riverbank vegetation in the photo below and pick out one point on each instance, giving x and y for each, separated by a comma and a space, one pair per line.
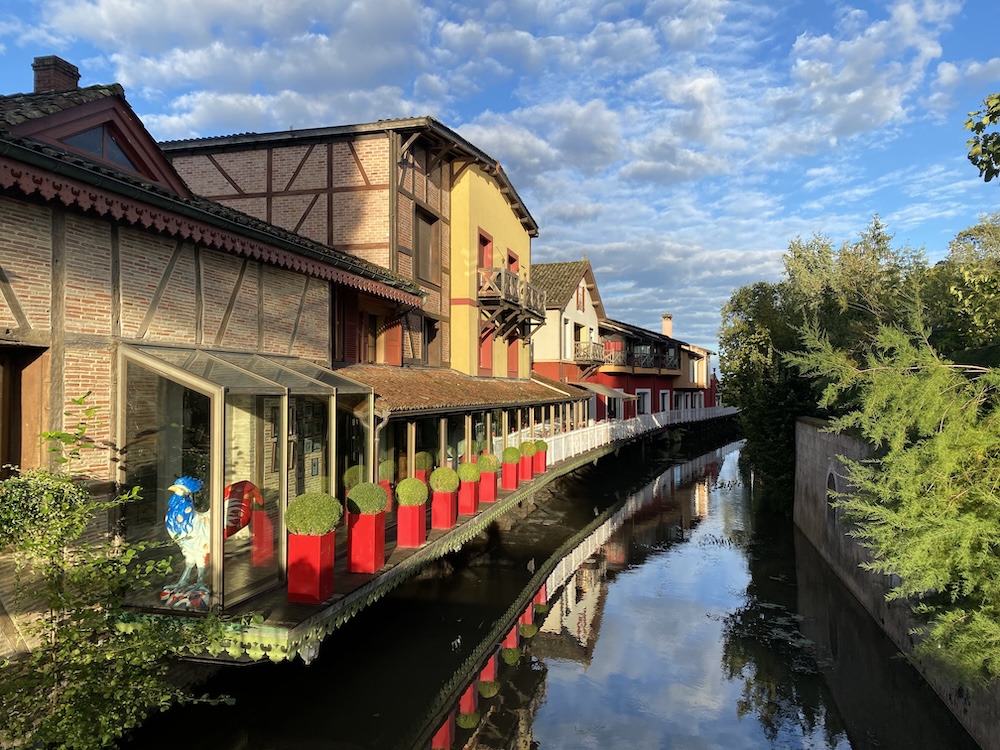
905, 355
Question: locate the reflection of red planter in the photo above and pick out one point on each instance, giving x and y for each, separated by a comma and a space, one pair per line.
468, 498
528, 616
386, 485
411, 525
469, 701
511, 639
421, 474
524, 469
508, 476
488, 487
489, 670
261, 538
541, 597
444, 509
444, 737
540, 462
365, 542
310, 568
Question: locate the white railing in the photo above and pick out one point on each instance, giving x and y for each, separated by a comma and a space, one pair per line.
565, 445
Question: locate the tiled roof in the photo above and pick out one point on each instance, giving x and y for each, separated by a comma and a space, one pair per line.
18, 108
431, 390
558, 280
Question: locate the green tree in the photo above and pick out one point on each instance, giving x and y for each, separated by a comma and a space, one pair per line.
984, 145
94, 671
927, 505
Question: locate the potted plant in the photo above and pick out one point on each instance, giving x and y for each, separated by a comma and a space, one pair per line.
311, 519
365, 528
541, 452
386, 476
411, 515
423, 462
467, 720
488, 465
444, 498
489, 689
526, 464
468, 488
511, 458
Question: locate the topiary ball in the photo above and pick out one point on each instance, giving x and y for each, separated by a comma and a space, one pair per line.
411, 491
423, 461
488, 689
367, 499
511, 455
387, 470
313, 514
354, 476
510, 655
528, 448
468, 472
541, 445
444, 479
467, 721
488, 463
528, 630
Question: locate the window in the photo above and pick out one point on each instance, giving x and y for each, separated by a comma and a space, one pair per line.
665, 400
427, 247
580, 298
642, 400
432, 342
485, 250
101, 142
22, 406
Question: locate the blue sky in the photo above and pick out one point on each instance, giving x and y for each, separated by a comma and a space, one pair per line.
678, 144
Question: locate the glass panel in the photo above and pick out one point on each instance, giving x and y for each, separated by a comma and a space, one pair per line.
479, 442
200, 364
251, 499
267, 368
308, 445
314, 371
456, 440
91, 141
115, 155
168, 456
353, 423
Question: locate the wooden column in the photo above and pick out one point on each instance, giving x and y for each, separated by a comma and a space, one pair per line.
411, 447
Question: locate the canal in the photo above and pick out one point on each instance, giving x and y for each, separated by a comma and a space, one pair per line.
678, 618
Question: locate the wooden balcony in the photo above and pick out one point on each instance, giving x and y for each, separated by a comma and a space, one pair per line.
509, 300
586, 352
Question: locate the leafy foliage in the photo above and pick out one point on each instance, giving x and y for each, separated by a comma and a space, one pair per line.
511, 455
488, 463
411, 491
423, 460
529, 448
468, 471
94, 671
387, 470
444, 479
984, 147
355, 475
367, 499
313, 514
927, 506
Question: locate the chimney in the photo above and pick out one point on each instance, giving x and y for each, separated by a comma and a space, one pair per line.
668, 324
54, 74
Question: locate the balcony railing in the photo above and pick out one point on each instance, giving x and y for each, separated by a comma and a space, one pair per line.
588, 351
615, 357
501, 285
662, 361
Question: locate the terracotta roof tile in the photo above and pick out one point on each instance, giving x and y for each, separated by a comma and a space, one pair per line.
18, 108
558, 280
425, 389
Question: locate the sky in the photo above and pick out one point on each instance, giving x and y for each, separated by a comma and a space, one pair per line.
679, 145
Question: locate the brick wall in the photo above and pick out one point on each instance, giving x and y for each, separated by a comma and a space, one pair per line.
26, 259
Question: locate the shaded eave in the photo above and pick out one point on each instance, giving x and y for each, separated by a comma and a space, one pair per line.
637, 332
48, 160
428, 126
428, 391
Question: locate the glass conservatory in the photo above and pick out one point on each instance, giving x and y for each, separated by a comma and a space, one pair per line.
217, 443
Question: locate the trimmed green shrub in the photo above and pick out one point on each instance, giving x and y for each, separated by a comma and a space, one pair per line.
467, 721
488, 689
511, 455
423, 461
510, 656
468, 472
367, 498
488, 463
541, 609
411, 491
528, 630
528, 448
443, 479
354, 476
387, 470
541, 445
313, 514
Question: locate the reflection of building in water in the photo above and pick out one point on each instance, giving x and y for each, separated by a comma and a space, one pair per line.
570, 630
701, 498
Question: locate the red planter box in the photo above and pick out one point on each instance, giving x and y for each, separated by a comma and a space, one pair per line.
540, 462
488, 487
528, 616
508, 476
387, 486
310, 568
542, 597
468, 498
525, 474
261, 538
411, 525
469, 701
511, 639
489, 670
421, 474
365, 542
444, 509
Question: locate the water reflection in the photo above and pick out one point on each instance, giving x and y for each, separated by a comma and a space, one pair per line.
675, 618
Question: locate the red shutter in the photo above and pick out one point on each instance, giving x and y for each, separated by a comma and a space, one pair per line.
394, 343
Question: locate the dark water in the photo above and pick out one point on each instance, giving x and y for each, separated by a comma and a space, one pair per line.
697, 624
